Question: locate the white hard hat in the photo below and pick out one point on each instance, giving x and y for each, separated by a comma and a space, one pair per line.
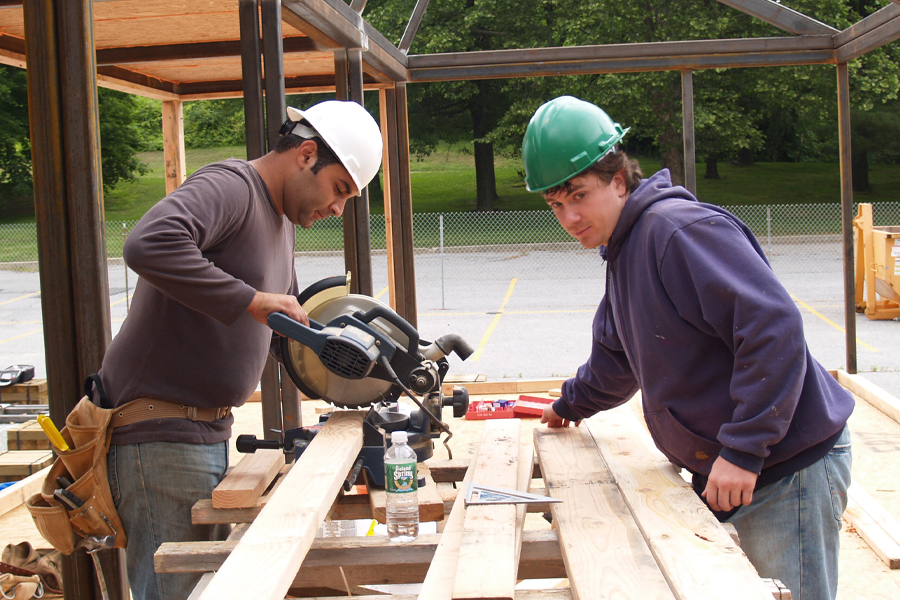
350, 132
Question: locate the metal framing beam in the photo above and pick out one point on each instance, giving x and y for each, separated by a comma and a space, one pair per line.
413, 26
843, 101
866, 25
251, 69
780, 16
338, 26
687, 117
398, 202
68, 192
622, 58
273, 66
867, 35
357, 238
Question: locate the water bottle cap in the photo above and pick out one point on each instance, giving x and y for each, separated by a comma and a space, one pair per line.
399, 437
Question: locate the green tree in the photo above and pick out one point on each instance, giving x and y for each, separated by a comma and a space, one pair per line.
465, 110
120, 138
874, 132
212, 123
120, 141
15, 144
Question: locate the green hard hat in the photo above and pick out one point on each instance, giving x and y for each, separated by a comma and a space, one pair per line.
564, 137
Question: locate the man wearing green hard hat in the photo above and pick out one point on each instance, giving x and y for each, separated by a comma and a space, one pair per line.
695, 319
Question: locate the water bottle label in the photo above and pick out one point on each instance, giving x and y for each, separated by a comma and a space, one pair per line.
400, 478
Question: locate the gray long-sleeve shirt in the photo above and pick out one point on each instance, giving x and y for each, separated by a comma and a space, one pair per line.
201, 254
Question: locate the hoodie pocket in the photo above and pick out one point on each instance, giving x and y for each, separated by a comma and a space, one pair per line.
682, 446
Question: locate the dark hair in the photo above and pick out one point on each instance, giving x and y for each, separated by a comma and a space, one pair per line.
324, 155
606, 168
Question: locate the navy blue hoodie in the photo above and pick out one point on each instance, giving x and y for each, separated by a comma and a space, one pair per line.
695, 318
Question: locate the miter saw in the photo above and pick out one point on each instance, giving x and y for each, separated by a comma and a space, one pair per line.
358, 353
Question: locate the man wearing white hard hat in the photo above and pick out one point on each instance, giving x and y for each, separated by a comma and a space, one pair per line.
215, 258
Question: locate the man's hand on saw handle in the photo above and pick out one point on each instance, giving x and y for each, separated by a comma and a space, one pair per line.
264, 304
554, 420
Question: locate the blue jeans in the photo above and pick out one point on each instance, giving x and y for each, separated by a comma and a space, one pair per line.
154, 485
791, 529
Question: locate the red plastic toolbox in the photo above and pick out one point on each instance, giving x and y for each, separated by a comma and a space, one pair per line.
490, 411
531, 406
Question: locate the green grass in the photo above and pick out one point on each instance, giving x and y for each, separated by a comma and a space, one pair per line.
445, 182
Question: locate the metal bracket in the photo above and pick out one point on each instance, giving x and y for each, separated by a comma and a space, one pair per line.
479, 494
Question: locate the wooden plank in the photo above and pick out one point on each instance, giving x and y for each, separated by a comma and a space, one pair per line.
547, 594
30, 392
443, 471
878, 528
480, 388
871, 393
14, 496
489, 535
431, 505
354, 506
265, 560
27, 436
19, 464
438, 584
173, 144
696, 555
540, 558
604, 552
245, 484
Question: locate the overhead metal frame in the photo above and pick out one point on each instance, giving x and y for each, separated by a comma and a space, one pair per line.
66, 161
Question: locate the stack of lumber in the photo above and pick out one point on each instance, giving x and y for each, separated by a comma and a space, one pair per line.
19, 464
628, 526
30, 392
27, 436
872, 522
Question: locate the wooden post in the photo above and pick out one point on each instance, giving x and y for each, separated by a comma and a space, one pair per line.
68, 191
173, 143
843, 81
687, 114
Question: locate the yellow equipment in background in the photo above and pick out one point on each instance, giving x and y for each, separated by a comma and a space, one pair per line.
877, 266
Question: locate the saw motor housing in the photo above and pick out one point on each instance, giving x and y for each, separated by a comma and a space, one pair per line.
356, 353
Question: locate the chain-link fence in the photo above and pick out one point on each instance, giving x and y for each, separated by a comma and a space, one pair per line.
453, 248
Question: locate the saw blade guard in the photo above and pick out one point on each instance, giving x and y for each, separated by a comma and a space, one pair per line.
329, 300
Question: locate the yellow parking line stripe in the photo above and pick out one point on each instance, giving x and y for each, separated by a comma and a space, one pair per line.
21, 336
830, 322
381, 293
120, 300
490, 329
20, 298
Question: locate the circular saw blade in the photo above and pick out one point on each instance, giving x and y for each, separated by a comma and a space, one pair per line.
313, 378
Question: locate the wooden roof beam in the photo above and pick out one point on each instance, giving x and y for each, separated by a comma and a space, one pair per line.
782, 17
413, 26
335, 23
876, 30
200, 50
623, 58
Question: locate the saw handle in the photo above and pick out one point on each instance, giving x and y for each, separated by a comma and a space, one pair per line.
393, 318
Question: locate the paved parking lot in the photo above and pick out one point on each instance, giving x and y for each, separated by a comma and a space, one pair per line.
527, 312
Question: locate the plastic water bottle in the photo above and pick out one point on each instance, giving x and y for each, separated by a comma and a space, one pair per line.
401, 483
